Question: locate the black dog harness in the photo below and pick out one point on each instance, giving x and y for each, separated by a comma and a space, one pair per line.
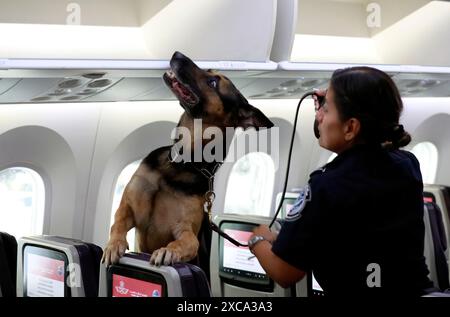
209, 197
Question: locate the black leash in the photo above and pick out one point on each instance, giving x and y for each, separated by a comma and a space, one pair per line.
209, 199
210, 195
286, 177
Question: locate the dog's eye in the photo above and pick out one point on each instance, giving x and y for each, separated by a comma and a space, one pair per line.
212, 82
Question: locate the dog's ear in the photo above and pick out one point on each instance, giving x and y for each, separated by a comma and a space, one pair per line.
250, 116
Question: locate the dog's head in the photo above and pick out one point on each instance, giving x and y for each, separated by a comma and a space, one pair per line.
210, 96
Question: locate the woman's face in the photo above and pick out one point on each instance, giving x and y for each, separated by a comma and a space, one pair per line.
332, 129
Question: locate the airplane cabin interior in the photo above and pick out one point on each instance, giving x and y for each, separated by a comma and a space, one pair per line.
83, 102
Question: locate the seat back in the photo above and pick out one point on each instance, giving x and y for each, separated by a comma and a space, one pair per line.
441, 196
71, 266
435, 246
133, 276
235, 272
8, 264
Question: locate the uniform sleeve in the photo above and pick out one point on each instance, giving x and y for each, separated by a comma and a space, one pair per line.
416, 166
297, 239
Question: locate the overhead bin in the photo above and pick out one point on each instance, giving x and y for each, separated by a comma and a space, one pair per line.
127, 45
52, 29
421, 38
270, 49
404, 38
402, 32
217, 30
220, 30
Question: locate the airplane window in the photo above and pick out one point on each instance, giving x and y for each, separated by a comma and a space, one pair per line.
122, 181
427, 154
250, 186
22, 197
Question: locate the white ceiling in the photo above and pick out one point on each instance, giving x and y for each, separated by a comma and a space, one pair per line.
353, 1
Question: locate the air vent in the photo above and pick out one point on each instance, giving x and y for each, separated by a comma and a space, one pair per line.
100, 83
87, 92
290, 83
309, 83
415, 91
426, 83
258, 96
409, 87
292, 88
43, 98
69, 89
70, 83
296, 91
276, 90
70, 98
94, 75
430, 83
60, 92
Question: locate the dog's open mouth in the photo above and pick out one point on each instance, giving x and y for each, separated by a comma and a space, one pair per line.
183, 92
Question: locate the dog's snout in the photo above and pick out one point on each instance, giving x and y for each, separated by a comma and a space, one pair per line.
178, 55
181, 61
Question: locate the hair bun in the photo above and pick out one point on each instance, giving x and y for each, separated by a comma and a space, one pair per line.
399, 137
397, 130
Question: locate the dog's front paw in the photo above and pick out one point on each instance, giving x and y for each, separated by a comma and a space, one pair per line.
114, 251
166, 256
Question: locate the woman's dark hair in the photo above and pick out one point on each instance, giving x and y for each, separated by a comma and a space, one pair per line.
371, 96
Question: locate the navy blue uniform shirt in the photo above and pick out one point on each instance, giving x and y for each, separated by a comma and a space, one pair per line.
363, 208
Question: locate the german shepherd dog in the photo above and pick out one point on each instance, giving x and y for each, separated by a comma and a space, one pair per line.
164, 199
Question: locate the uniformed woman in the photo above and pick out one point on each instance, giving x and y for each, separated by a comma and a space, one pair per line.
358, 223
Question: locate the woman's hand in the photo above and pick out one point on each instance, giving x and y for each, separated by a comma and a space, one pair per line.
319, 96
279, 270
319, 101
265, 232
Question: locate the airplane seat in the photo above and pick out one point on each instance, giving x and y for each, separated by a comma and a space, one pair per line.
52, 266
435, 246
134, 276
441, 196
8, 264
446, 194
235, 272
199, 286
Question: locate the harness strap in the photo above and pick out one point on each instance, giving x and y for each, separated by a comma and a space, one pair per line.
209, 199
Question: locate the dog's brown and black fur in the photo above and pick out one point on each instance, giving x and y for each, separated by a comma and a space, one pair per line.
164, 200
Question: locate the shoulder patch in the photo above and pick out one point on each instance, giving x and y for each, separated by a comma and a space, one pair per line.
303, 198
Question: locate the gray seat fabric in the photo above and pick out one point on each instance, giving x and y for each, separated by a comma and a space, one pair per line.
90, 256
435, 246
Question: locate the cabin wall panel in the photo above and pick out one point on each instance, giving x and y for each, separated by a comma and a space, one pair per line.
57, 141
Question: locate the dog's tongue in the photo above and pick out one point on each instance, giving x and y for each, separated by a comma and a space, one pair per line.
184, 93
